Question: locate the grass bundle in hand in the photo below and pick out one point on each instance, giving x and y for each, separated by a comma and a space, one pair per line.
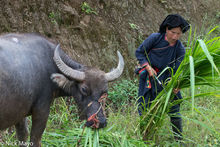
200, 66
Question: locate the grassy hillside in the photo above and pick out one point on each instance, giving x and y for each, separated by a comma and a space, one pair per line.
200, 109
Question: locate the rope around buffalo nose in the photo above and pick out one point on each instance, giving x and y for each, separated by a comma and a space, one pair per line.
92, 117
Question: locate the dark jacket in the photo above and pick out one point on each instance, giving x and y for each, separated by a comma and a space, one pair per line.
156, 51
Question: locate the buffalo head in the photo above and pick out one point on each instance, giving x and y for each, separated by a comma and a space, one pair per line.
89, 86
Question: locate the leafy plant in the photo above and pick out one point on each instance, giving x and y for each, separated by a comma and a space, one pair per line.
54, 17
87, 9
122, 92
218, 14
134, 26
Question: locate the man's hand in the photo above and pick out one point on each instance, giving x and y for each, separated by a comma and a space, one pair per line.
151, 71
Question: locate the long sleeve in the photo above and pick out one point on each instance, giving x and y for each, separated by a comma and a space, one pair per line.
143, 49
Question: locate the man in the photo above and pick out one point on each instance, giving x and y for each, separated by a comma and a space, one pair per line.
158, 51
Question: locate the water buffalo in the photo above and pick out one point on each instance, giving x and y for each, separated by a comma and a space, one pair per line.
33, 71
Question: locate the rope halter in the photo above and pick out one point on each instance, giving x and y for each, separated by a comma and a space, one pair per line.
94, 117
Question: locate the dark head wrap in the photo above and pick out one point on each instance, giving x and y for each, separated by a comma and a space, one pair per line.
173, 21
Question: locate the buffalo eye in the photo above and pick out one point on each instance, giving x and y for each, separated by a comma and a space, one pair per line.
84, 90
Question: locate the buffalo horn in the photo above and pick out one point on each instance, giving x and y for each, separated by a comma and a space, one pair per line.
115, 73
66, 70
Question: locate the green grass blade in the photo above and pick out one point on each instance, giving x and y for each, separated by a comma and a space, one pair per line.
213, 30
192, 80
88, 131
167, 100
210, 58
90, 137
96, 138
212, 93
165, 69
189, 37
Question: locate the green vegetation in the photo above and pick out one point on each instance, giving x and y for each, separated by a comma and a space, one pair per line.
87, 9
122, 92
55, 18
198, 77
65, 129
133, 26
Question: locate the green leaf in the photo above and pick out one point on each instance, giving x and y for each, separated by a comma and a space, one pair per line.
88, 132
167, 100
192, 80
96, 139
208, 55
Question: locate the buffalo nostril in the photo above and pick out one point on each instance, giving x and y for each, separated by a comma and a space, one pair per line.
89, 123
102, 125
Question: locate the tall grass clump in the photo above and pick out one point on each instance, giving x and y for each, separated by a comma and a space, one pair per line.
200, 66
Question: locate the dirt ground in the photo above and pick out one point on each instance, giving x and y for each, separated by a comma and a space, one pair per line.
91, 31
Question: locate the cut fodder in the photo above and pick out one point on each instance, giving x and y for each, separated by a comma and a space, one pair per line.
200, 66
89, 138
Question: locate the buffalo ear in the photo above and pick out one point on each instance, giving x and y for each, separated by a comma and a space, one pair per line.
60, 80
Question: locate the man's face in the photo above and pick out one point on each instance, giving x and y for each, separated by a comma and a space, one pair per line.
173, 35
